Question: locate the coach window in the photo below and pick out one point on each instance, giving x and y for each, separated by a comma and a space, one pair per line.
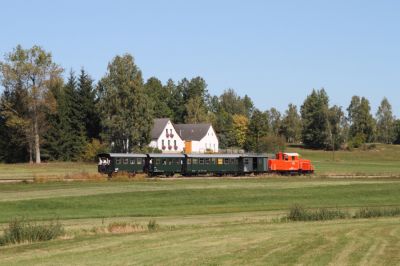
132, 161
157, 161
126, 161
212, 160
201, 161
189, 161
164, 162
118, 161
195, 161
207, 160
226, 161
139, 160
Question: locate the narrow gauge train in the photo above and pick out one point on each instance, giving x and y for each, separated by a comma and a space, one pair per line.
155, 164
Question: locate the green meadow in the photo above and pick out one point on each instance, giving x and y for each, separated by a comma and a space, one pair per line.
208, 221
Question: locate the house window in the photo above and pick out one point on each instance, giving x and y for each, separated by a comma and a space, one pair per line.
175, 142
170, 131
162, 142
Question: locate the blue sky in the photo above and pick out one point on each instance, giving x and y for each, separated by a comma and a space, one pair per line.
274, 51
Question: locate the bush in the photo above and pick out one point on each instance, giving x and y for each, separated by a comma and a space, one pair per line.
152, 225
298, 213
377, 212
21, 231
272, 144
92, 149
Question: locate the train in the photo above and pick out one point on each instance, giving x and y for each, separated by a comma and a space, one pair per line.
168, 164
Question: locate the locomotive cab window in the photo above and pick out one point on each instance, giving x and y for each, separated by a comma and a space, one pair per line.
293, 158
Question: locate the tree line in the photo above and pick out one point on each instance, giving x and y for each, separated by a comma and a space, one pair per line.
43, 116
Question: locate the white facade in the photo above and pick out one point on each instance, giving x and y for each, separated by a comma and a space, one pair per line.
208, 143
169, 140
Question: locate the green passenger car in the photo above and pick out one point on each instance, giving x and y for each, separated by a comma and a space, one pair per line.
217, 164
110, 163
165, 164
255, 163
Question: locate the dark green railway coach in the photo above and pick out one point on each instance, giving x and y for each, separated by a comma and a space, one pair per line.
110, 163
217, 164
165, 164
255, 163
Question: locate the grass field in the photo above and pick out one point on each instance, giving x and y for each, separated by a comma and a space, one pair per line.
210, 221
205, 221
384, 160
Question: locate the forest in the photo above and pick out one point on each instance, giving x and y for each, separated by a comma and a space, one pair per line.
50, 114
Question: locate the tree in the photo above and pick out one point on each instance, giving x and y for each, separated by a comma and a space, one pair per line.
337, 128
291, 125
240, 127
127, 116
234, 104
160, 96
257, 129
13, 141
361, 122
176, 102
33, 70
195, 111
274, 119
314, 115
385, 122
88, 105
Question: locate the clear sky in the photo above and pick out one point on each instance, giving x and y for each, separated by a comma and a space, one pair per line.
274, 51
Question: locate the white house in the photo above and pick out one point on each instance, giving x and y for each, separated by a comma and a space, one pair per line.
164, 136
189, 138
198, 138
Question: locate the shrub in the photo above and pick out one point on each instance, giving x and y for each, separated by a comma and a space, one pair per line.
298, 213
21, 231
271, 144
152, 225
377, 212
92, 149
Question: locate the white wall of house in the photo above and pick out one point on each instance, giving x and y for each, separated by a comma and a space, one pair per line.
209, 141
164, 142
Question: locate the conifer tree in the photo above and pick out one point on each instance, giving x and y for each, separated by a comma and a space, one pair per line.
88, 105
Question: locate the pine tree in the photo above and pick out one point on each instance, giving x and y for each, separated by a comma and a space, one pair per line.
88, 105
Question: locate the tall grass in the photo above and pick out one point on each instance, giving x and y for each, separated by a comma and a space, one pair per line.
24, 231
299, 213
377, 212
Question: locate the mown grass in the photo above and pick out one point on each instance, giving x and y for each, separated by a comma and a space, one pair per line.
341, 242
45, 170
381, 160
231, 196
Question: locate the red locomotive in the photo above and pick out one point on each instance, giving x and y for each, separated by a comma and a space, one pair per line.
289, 163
